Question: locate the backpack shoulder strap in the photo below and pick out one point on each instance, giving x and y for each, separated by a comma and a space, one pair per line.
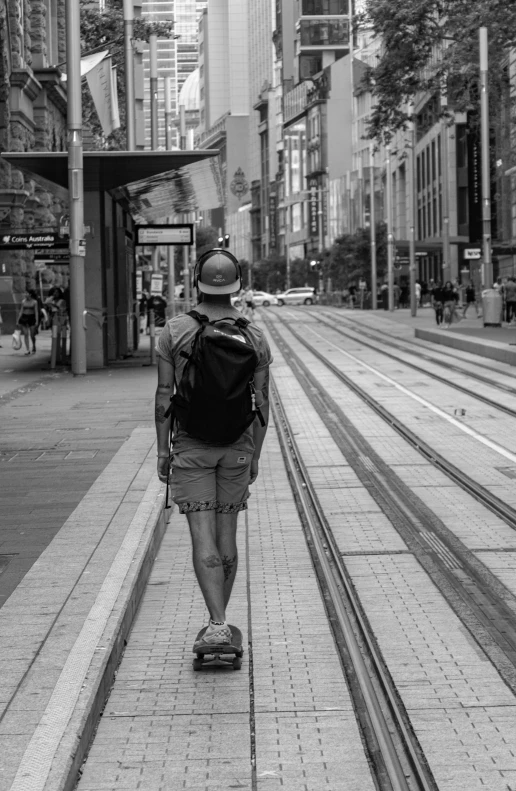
200, 317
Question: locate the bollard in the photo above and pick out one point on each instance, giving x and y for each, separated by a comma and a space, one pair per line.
55, 341
152, 332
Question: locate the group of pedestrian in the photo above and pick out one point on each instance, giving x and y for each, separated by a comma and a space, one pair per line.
445, 300
507, 288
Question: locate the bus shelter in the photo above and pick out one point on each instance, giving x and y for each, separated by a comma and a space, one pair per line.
123, 189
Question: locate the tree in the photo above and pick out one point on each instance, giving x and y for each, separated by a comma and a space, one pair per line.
105, 30
206, 238
349, 259
431, 46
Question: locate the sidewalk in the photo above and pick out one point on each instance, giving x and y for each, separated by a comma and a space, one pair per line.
81, 520
58, 435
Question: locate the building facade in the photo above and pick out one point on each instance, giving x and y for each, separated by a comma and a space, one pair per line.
32, 118
178, 57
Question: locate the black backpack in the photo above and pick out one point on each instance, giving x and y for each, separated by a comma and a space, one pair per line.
215, 399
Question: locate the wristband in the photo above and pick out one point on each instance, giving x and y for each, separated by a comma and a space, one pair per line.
162, 455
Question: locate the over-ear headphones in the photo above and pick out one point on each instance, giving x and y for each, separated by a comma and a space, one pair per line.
208, 254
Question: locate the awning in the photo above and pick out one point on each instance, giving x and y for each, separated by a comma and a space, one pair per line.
151, 184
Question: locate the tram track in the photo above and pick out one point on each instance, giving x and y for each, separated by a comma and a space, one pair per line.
482, 603
351, 333
394, 753
422, 351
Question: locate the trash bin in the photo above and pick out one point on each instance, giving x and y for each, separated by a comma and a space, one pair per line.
385, 298
492, 307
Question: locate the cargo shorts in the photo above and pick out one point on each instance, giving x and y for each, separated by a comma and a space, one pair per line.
214, 478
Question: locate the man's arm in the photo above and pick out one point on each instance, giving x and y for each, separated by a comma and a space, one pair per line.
261, 383
164, 391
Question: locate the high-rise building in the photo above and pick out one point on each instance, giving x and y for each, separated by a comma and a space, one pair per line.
224, 99
312, 40
177, 57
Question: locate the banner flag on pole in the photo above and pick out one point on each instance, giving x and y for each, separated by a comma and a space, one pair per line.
103, 90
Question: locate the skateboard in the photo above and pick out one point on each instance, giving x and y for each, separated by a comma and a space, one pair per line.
213, 655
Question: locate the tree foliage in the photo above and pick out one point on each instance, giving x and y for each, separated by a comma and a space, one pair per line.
349, 259
431, 45
105, 30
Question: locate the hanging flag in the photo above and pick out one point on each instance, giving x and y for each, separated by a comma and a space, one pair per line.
89, 62
103, 90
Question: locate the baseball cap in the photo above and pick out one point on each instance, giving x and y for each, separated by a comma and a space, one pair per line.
218, 272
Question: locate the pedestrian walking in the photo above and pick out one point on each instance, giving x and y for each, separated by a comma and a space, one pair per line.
213, 375
510, 299
450, 299
248, 303
418, 293
396, 291
436, 296
471, 299
28, 319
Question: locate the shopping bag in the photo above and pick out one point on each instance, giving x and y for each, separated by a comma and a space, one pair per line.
17, 340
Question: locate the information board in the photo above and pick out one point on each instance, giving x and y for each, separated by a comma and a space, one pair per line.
181, 233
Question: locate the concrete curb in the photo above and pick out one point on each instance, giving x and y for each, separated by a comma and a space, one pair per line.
483, 347
62, 631
79, 735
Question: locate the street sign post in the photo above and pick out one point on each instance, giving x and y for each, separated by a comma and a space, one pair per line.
179, 233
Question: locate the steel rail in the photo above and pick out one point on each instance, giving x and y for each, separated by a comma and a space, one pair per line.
497, 506
338, 585
490, 402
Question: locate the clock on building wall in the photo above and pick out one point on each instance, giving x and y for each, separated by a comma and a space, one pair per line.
239, 186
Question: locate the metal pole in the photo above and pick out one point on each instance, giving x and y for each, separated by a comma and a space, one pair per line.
182, 128
320, 219
152, 334
186, 270
446, 195
130, 120
168, 113
372, 220
287, 254
390, 236
153, 52
75, 189
413, 219
486, 169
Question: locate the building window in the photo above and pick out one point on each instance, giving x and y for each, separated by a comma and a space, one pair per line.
324, 7
324, 32
309, 65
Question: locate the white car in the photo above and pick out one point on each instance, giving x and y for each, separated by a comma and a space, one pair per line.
297, 296
260, 299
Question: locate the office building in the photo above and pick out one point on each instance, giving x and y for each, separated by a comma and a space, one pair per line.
177, 58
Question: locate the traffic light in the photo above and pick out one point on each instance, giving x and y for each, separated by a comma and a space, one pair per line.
224, 241
315, 266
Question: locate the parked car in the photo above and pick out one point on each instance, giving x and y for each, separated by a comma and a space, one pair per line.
260, 298
297, 296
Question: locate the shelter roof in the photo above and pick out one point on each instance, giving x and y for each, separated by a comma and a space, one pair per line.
151, 184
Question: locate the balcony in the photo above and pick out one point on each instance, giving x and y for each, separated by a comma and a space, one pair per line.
323, 33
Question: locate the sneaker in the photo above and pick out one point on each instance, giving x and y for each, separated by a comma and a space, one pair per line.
216, 636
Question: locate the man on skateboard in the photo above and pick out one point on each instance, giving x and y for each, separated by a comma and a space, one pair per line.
217, 374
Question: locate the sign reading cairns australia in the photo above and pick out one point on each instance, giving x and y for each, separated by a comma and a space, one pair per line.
28, 241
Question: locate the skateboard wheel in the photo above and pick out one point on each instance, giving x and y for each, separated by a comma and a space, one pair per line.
197, 664
237, 663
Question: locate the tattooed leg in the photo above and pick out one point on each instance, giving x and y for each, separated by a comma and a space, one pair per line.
207, 561
226, 544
